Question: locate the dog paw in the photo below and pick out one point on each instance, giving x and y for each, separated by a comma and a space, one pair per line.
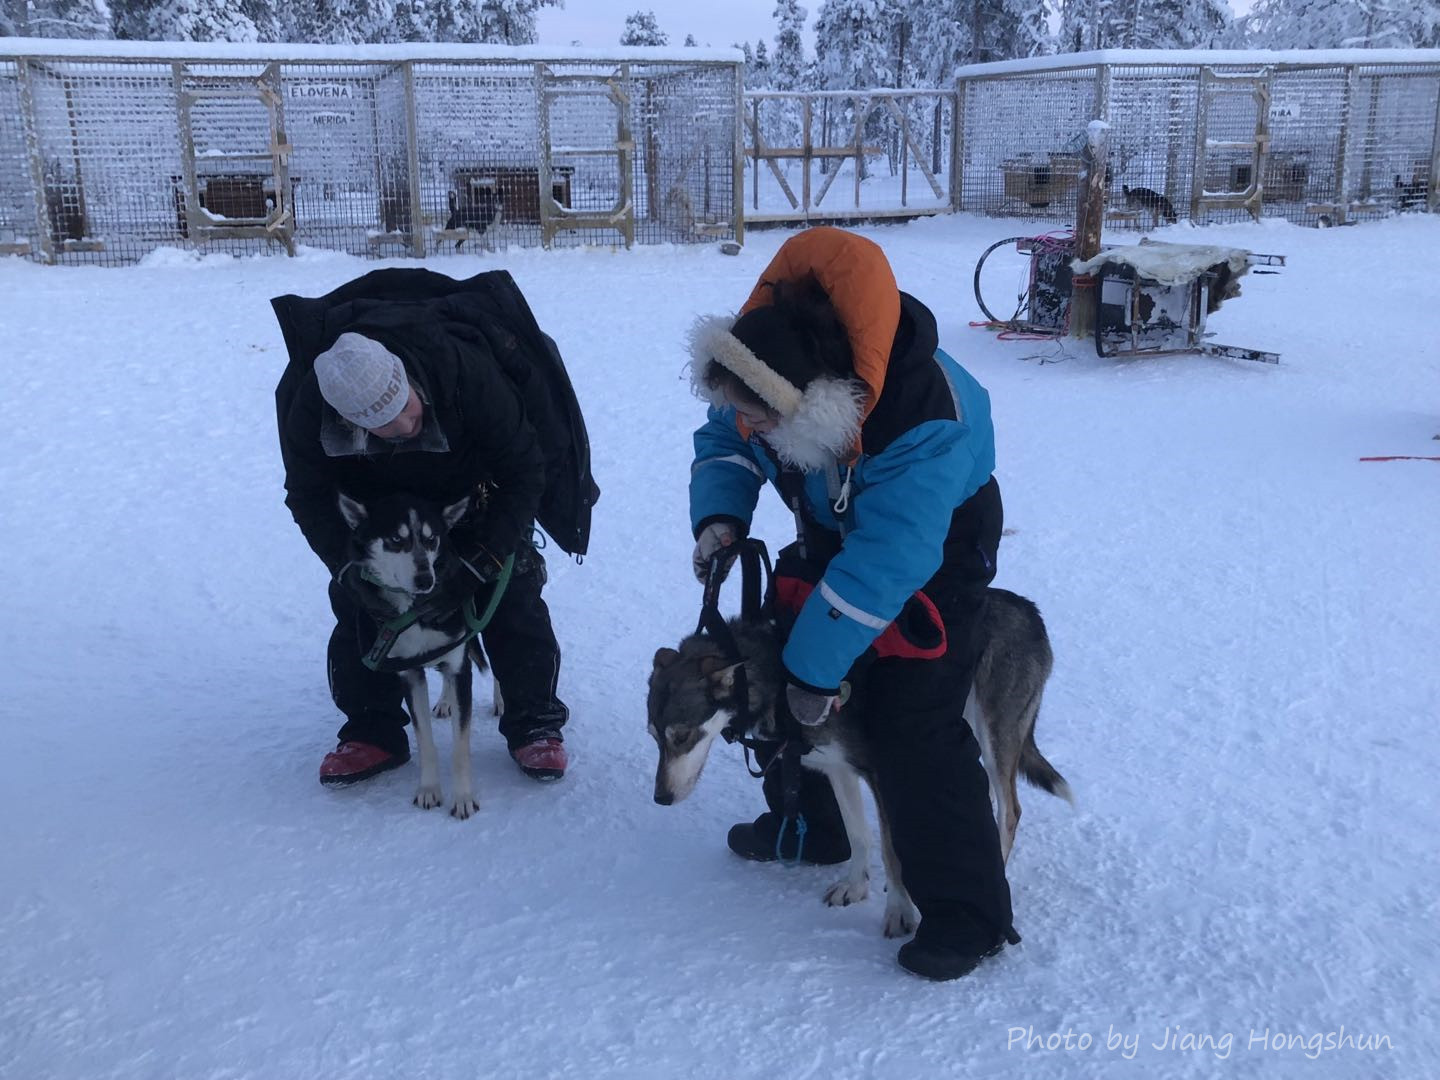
901, 918
846, 892
427, 798
462, 808
441, 710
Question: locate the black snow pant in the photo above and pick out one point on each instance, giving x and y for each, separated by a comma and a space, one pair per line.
519, 642
927, 760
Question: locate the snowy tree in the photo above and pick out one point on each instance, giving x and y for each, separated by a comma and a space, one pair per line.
1031, 35
642, 29
1328, 24
54, 18
1142, 24
855, 42
510, 22
758, 75
689, 41
1094, 24
1179, 24
787, 67
181, 20
939, 40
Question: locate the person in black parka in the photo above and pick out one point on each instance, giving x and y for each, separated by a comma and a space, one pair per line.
410, 381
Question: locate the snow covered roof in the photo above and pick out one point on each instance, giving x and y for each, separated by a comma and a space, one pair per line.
224, 50
1203, 58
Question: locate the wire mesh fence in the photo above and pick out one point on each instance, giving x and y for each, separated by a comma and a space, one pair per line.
386, 151
1328, 138
103, 159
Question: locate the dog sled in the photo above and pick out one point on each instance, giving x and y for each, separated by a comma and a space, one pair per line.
1152, 298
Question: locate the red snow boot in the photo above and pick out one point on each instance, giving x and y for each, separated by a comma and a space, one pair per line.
351, 762
542, 759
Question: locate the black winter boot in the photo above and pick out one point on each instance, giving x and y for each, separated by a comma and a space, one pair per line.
940, 957
755, 840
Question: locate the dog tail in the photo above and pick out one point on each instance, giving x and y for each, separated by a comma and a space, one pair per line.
477, 655
1040, 773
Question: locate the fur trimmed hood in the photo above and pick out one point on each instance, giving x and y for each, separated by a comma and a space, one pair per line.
817, 425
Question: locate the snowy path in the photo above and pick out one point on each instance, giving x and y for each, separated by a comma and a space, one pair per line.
1245, 620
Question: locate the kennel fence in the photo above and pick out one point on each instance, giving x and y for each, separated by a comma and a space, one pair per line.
1316, 137
111, 149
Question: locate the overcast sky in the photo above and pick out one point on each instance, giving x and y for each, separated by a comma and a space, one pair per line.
727, 22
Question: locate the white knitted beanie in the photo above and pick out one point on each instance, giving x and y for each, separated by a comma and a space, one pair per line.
362, 380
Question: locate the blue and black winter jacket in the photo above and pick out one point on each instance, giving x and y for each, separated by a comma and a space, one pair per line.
927, 446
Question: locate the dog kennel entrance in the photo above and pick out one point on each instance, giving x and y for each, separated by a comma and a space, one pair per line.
593, 174
1232, 142
235, 156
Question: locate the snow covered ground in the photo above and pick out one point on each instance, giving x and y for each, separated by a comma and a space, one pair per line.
1244, 614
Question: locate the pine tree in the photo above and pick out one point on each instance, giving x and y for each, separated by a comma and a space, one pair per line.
689, 41
1032, 28
509, 22
758, 75
787, 66
854, 42
1329, 24
1181, 24
181, 20
53, 19
642, 29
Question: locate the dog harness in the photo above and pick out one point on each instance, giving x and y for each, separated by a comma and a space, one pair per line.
755, 604
378, 658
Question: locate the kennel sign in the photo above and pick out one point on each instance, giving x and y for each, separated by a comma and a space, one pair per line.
333, 102
309, 91
1284, 109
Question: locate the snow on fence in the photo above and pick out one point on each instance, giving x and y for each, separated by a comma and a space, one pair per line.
111, 149
1322, 137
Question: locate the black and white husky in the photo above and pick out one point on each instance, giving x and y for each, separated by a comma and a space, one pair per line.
692, 700
398, 542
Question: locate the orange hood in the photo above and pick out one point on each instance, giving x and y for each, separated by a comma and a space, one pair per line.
857, 277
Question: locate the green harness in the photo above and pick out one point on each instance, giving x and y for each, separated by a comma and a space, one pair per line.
391, 629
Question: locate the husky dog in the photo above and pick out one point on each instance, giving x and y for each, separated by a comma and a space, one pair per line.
1414, 194
692, 700
1143, 198
397, 542
478, 210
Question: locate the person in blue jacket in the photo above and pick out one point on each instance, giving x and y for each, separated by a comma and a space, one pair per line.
831, 385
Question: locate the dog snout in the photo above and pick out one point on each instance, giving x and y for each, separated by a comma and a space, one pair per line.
664, 798
424, 582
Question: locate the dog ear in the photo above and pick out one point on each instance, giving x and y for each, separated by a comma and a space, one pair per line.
455, 511
665, 657
720, 674
353, 512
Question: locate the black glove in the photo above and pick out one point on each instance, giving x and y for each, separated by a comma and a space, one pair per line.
806, 706
370, 597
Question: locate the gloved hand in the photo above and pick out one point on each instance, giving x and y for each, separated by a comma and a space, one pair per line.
806, 706
369, 596
716, 536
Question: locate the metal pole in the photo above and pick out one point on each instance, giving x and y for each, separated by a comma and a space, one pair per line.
1432, 195
737, 171
957, 143
412, 152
